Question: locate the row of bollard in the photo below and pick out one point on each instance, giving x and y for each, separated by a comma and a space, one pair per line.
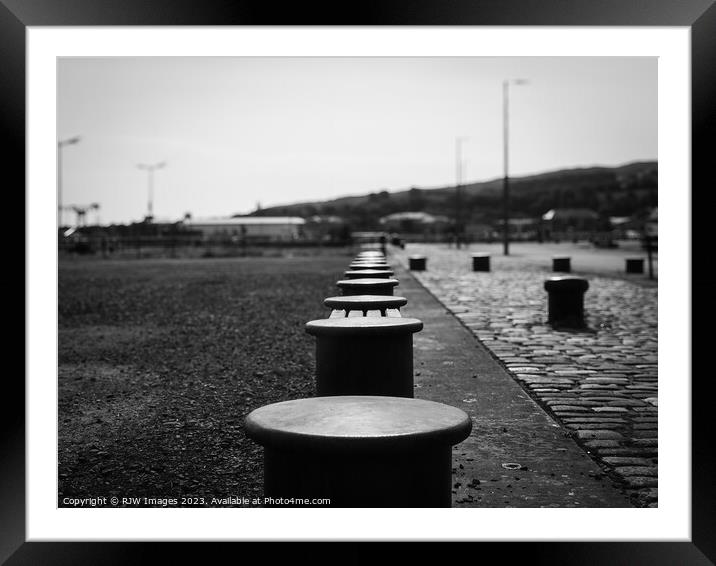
560, 264
565, 295
364, 441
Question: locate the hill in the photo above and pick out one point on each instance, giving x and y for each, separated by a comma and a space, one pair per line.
624, 190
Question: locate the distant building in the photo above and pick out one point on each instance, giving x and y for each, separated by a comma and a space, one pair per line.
624, 227
570, 224
326, 228
519, 228
249, 228
415, 225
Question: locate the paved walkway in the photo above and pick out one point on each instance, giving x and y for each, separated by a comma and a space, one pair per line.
599, 386
516, 455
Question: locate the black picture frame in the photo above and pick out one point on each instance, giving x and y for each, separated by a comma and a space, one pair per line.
698, 15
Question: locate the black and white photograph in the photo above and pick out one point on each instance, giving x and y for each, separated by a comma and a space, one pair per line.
324, 283
357, 282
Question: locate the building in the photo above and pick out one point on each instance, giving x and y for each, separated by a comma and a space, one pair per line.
521, 229
415, 225
570, 224
248, 229
327, 229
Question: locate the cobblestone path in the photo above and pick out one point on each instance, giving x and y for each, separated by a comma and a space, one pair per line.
599, 384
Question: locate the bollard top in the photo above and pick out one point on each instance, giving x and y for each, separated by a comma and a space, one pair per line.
367, 302
561, 257
363, 326
566, 284
369, 265
357, 422
481, 254
366, 273
416, 257
367, 282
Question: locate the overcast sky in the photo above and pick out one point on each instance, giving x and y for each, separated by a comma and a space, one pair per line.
235, 131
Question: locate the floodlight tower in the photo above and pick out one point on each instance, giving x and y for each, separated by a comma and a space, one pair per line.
150, 180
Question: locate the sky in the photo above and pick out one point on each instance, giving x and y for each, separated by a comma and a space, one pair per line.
238, 131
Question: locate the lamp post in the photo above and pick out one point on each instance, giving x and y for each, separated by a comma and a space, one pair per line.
150, 170
458, 182
60, 145
506, 182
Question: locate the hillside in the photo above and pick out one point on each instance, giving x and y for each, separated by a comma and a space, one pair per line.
612, 191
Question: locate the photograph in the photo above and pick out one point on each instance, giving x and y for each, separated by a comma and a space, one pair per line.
209, 208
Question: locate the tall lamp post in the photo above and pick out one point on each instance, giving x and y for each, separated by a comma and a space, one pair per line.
150, 170
506, 182
60, 145
458, 182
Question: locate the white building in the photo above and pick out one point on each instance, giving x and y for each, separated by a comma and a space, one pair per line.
249, 228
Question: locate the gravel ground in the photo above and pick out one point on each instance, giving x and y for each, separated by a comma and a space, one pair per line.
160, 360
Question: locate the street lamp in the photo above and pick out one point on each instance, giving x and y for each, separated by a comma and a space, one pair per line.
505, 182
150, 169
60, 145
458, 182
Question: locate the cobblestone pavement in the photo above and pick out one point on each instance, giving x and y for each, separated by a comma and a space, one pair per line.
600, 384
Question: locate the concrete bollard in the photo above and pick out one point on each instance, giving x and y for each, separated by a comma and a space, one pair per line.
358, 451
365, 303
561, 264
369, 261
481, 262
369, 286
364, 355
635, 265
566, 301
369, 265
417, 262
368, 273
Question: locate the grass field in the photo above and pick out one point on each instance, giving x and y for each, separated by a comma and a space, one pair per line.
160, 361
